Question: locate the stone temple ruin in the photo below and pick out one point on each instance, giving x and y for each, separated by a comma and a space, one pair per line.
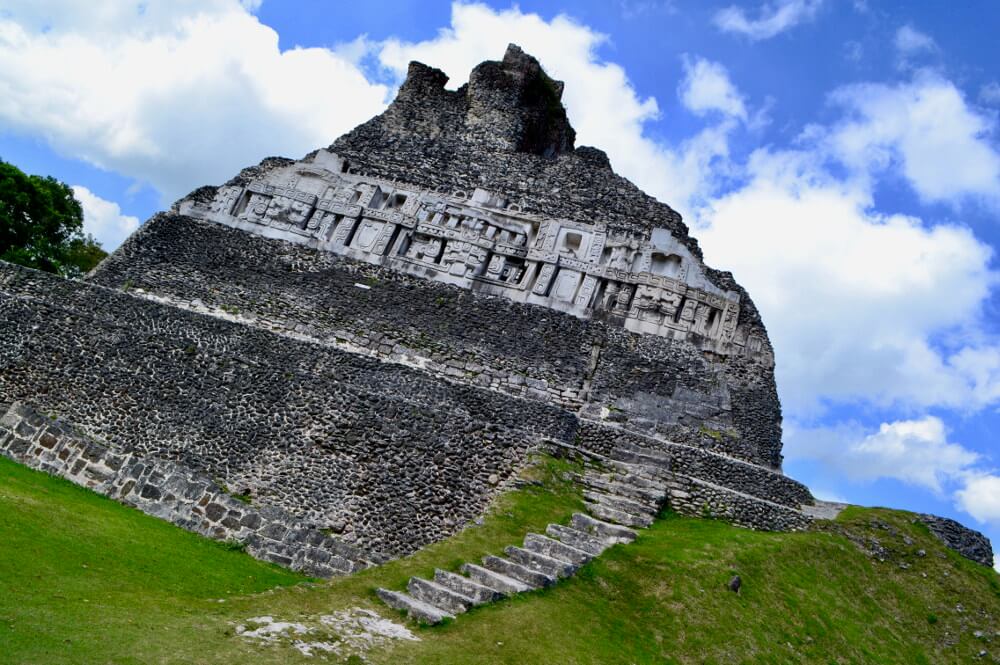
341, 359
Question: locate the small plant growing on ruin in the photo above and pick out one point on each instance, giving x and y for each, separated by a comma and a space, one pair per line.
243, 497
234, 545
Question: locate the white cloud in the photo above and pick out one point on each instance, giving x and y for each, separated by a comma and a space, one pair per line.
178, 94
853, 299
989, 93
910, 41
103, 219
773, 18
706, 87
924, 128
916, 452
981, 497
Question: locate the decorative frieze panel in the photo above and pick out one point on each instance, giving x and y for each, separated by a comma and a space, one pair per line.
652, 284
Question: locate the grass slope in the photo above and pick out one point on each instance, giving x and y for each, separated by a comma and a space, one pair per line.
85, 580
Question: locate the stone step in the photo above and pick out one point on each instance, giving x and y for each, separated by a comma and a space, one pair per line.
651, 476
417, 609
642, 494
505, 584
437, 595
578, 539
658, 485
535, 542
621, 503
636, 455
540, 562
532, 578
479, 594
601, 511
602, 529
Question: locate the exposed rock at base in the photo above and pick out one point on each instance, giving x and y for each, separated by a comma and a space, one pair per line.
968, 542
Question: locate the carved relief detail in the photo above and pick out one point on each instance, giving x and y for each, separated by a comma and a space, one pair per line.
653, 284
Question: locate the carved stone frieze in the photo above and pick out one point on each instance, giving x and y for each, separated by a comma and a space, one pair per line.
652, 284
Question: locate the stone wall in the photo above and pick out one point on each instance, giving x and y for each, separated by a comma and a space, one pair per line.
707, 466
667, 388
485, 341
969, 543
169, 491
387, 457
697, 498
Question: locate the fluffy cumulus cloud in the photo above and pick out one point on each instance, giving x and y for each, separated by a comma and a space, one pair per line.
910, 41
989, 93
924, 128
103, 219
772, 18
177, 94
980, 497
913, 451
866, 306
853, 298
916, 452
706, 87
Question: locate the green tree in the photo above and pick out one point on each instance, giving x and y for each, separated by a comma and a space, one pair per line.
41, 224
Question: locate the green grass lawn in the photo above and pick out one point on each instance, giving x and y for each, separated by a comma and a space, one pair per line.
85, 580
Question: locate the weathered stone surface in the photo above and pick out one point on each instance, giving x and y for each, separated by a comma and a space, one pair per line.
482, 189
578, 539
606, 530
172, 492
466, 587
532, 578
497, 581
417, 609
438, 595
969, 543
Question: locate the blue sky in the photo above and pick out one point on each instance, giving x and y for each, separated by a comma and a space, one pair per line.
841, 158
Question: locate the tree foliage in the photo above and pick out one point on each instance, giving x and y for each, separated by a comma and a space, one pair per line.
41, 224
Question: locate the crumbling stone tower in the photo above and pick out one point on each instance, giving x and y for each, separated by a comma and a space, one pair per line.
370, 340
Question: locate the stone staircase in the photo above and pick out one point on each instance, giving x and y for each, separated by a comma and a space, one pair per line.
619, 499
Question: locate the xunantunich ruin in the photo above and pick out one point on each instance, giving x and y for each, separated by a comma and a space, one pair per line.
341, 359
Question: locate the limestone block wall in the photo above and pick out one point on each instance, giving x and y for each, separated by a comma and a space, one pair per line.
666, 388
703, 465
698, 498
969, 543
174, 493
387, 457
286, 287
